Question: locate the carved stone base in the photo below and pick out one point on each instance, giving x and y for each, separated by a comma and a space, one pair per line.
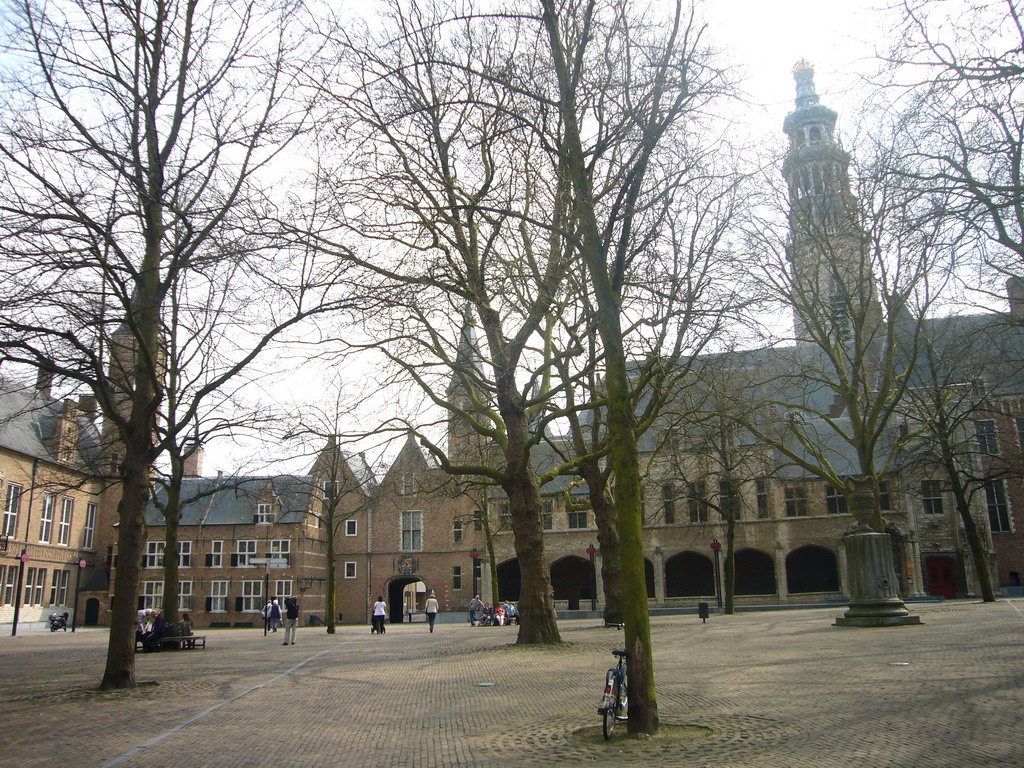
871, 578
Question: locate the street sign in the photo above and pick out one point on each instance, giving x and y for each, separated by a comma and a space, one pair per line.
272, 562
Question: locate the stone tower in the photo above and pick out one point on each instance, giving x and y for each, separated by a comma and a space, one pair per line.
463, 442
833, 291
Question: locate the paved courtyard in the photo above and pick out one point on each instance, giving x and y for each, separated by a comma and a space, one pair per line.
774, 689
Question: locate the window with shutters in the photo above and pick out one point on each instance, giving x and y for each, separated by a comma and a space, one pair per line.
184, 595
184, 554
218, 597
154, 557
152, 595
215, 559
244, 549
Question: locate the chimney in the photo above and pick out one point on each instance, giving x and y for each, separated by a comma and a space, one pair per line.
193, 460
44, 382
87, 407
67, 432
1015, 293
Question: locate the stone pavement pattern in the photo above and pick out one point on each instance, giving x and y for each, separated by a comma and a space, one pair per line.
765, 690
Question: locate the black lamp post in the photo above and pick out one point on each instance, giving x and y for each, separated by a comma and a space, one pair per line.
17, 595
475, 557
716, 545
78, 586
593, 578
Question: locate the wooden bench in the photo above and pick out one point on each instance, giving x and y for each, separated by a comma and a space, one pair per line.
185, 642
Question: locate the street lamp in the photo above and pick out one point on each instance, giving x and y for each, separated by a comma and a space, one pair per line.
593, 578
716, 545
78, 586
17, 595
475, 557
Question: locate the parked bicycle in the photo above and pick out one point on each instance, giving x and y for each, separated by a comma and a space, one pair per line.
615, 702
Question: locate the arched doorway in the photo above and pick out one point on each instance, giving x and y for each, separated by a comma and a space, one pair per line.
510, 580
92, 612
755, 573
812, 569
405, 593
941, 577
571, 580
689, 574
649, 578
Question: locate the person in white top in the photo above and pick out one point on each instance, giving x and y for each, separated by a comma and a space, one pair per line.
380, 610
431, 609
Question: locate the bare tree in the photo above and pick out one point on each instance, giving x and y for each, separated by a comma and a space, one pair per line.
628, 96
960, 78
953, 414
133, 141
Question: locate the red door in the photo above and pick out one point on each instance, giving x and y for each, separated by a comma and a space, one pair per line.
940, 577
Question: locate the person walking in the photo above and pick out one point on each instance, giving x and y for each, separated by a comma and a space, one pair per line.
266, 616
274, 615
474, 605
380, 610
431, 608
291, 619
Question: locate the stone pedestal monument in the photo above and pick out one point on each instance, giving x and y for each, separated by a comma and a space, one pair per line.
871, 577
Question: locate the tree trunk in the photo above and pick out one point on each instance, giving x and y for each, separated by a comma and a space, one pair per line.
131, 533
974, 543
332, 575
172, 515
608, 541
730, 565
537, 624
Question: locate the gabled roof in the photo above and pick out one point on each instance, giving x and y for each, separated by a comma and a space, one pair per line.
29, 419
233, 500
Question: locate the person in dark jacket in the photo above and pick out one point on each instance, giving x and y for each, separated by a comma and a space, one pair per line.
291, 620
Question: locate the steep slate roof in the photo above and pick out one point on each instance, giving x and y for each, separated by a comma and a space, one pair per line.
28, 419
232, 500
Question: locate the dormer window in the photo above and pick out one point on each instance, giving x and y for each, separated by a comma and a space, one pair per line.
264, 514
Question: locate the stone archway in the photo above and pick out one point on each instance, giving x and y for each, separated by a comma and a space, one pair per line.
812, 569
755, 573
571, 580
405, 593
510, 580
689, 574
92, 612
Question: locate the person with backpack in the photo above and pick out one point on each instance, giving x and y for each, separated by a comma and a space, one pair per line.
291, 620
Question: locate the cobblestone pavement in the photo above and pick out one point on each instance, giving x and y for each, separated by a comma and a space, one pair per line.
760, 690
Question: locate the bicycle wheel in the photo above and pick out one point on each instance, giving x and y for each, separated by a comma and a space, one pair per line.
622, 710
609, 717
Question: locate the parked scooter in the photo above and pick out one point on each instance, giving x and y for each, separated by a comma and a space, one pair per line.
59, 621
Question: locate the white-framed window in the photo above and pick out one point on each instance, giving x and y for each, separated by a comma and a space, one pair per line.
10, 585
504, 517
185, 555
153, 595
46, 519
252, 595
67, 510
997, 506
931, 497
154, 557
796, 500
412, 530
988, 443
281, 548
12, 506
89, 531
282, 588
350, 570
835, 502
457, 531
351, 527
264, 514
244, 549
35, 581
216, 557
59, 587
218, 597
456, 577
184, 595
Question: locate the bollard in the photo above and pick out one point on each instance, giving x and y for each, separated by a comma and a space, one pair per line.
702, 611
